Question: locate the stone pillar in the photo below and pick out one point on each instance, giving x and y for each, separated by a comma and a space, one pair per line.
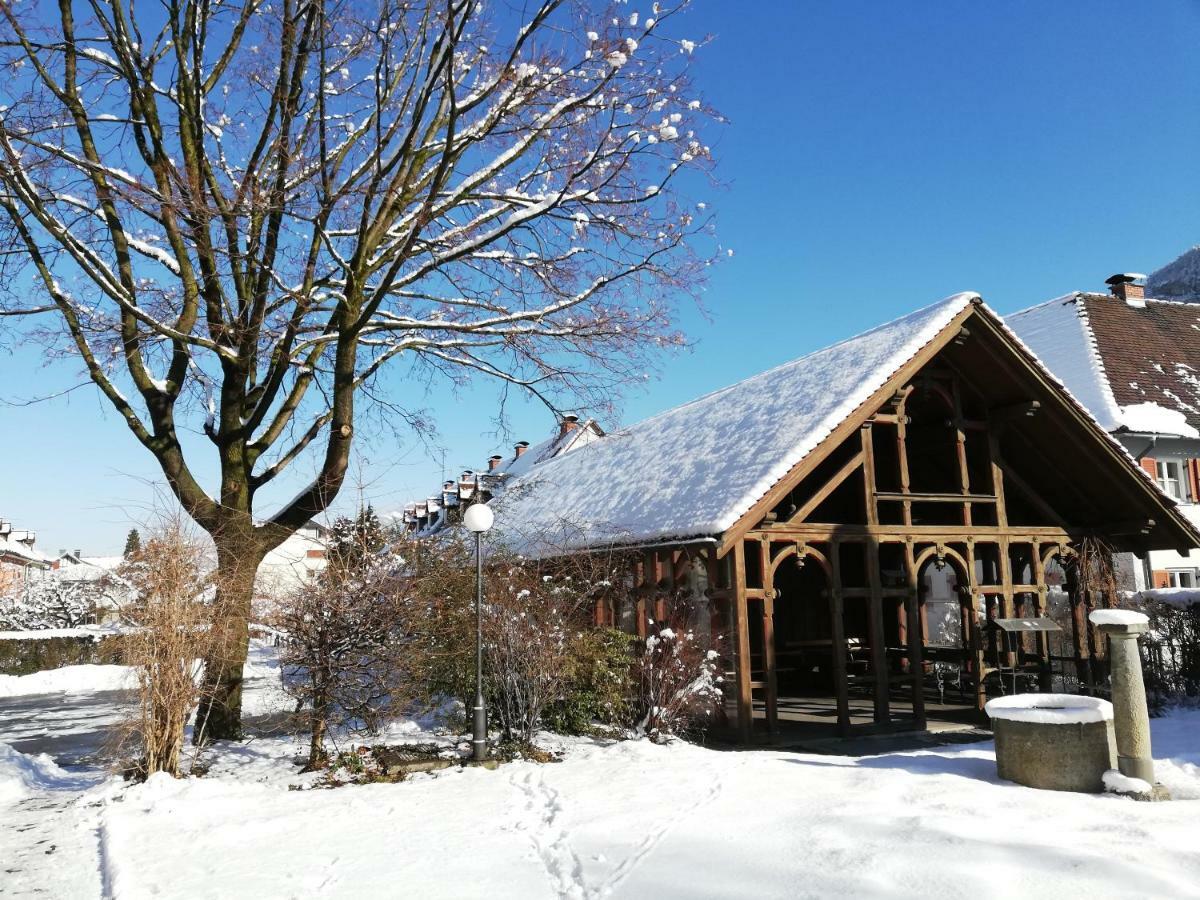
1131, 718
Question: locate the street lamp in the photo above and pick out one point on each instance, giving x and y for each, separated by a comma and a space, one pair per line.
478, 519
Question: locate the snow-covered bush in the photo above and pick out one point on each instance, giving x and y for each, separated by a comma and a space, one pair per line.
598, 689
679, 681
1171, 649
346, 658
46, 602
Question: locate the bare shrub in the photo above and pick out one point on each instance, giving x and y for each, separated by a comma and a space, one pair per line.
534, 616
678, 679
346, 654
170, 636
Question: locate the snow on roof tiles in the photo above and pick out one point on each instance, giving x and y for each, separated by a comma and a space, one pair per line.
559, 442
1134, 368
694, 470
1059, 335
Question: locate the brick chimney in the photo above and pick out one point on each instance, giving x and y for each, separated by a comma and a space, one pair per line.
494, 462
519, 448
569, 423
1128, 286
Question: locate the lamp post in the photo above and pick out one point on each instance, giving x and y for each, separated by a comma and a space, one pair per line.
478, 519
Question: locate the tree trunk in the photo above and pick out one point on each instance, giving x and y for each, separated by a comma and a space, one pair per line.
219, 716
316, 745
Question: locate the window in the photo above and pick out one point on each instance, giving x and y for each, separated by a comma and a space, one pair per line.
1182, 578
1170, 478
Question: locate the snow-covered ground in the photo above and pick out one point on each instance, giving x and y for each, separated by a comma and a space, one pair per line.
626, 819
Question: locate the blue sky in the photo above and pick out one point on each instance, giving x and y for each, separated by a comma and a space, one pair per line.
880, 156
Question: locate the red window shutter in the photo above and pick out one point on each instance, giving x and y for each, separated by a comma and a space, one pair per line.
1161, 578
1148, 464
1193, 470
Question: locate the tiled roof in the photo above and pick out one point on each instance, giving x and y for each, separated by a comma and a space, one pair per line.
1125, 361
1151, 354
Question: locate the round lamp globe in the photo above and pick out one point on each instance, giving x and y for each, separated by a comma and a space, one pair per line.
478, 517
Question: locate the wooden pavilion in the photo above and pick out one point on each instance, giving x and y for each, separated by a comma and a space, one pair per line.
825, 510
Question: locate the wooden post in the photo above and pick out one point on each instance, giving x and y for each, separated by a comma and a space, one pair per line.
879, 661
742, 620
915, 636
1045, 674
642, 591
837, 633
768, 577
713, 568
979, 661
964, 474
1007, 599
902, 453
653, 569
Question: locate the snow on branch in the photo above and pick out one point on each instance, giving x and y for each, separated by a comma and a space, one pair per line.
266, 205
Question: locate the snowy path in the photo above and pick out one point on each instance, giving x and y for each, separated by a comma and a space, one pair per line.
637, 820
50, 845
625, 820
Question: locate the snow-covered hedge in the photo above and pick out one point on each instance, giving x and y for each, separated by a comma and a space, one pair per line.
1171, 648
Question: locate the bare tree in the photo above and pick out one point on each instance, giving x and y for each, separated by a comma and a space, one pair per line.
235, 214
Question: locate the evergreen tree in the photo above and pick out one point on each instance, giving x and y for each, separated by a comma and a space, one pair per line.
133, 543
355, 540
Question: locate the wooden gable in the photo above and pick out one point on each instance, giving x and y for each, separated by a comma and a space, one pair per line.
992, 443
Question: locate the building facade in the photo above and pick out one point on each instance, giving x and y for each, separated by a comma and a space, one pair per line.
1134, 361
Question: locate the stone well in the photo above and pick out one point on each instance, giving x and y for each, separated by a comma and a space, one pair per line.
1057, 742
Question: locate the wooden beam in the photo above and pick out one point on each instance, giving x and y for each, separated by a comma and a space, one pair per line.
768, 635
815, 532
742, 619
937, 498
1006, 596
837, 634
976, 636
868, 464
879, 661
902, 454
997, 479
916, 638
1043, 638
828, 488
1011, 477
960, 449
842, 431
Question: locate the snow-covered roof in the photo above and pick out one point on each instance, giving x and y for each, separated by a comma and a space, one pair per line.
1135, 367
20, 546
695, 470
562, 441
1057, 331
107, 563
430, 516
